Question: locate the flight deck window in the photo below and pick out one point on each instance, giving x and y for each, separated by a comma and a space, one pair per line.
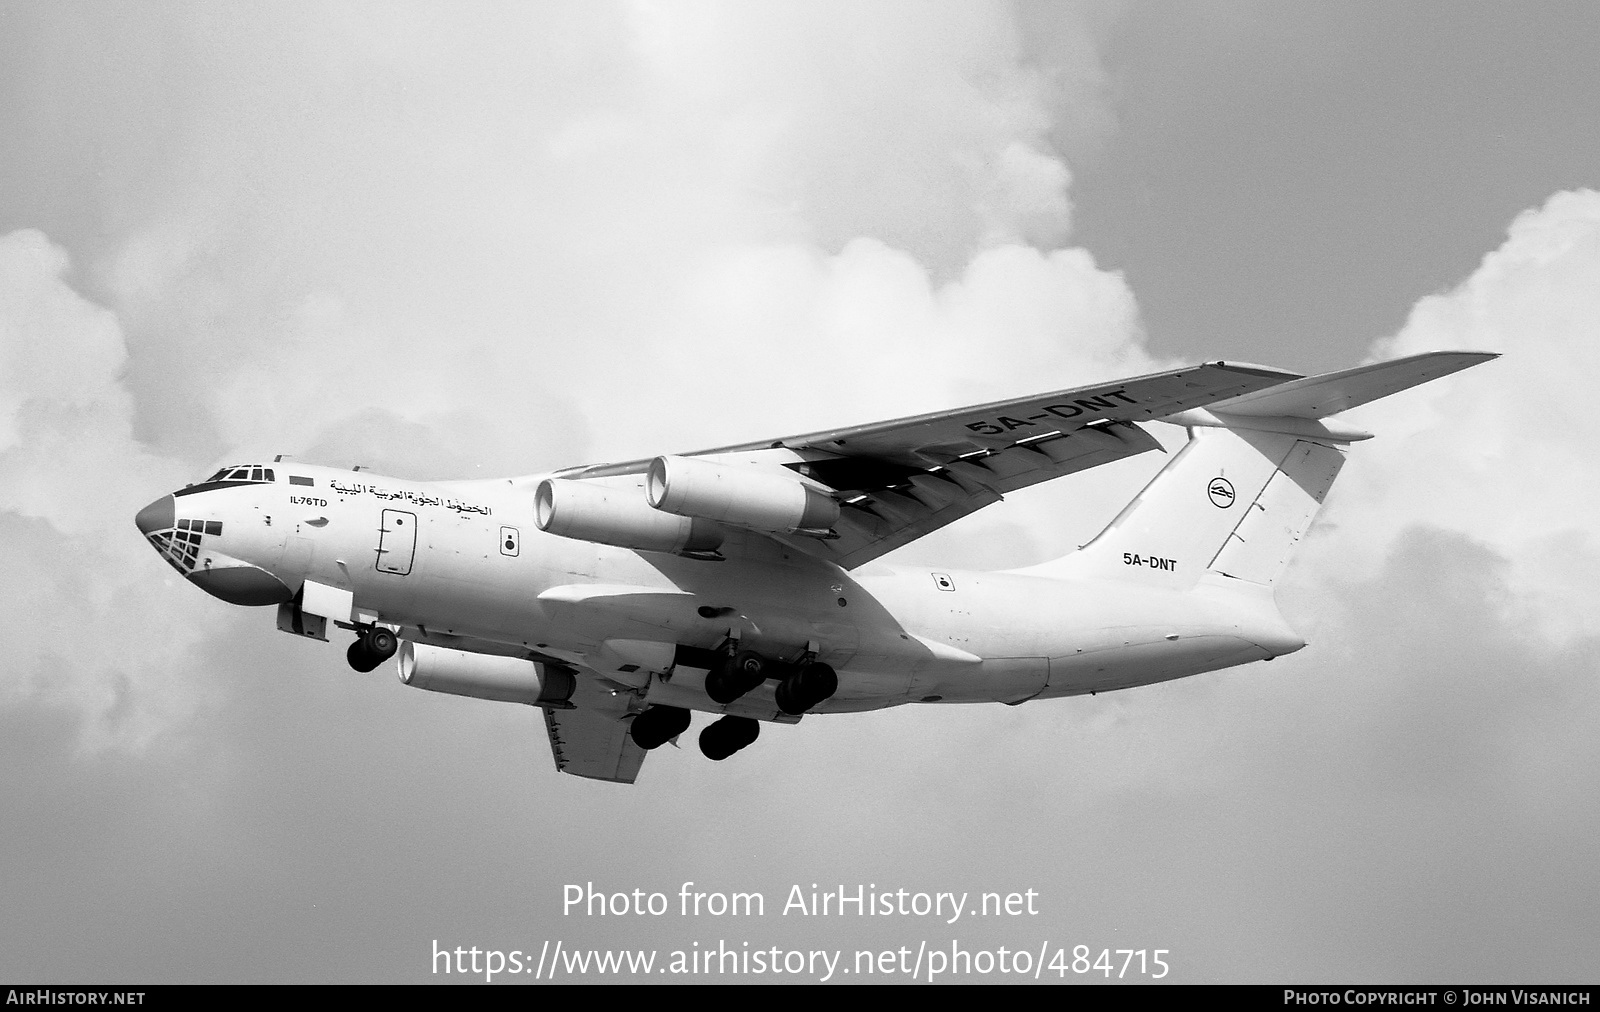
213, 526
242, 472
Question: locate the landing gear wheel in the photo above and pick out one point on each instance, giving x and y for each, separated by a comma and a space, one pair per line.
719, 684
359, 658
381, 643
806, 688
374, 646
658, 725
724, 737
734, 676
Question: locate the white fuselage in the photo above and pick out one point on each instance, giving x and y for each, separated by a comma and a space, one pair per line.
463, 564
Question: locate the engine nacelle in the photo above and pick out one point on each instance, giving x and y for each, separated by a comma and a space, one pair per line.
761, 499
618, 516
483, 676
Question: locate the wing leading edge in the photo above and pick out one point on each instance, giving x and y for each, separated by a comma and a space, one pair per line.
902, 479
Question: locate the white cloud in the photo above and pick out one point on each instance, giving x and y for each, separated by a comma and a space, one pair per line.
1503, 453
523, 239
82, 593
530, 235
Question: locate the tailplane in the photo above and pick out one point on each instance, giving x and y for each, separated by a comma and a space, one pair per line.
1243, 492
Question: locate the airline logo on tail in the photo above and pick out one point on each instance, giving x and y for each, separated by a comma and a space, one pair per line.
1221, 492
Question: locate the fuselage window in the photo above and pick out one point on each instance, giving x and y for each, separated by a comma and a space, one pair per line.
213, 526
295, 479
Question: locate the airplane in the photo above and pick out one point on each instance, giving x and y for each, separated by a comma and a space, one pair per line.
743, 581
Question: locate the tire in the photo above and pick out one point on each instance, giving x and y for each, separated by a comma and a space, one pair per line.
359, 658
677, 723
720, 686
644, 731
820, 681
724, 737
749, 670
713, 743
791, 696
734, 676
381, 643
658, 725
806, 688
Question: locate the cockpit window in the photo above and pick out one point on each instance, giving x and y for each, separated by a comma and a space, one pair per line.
242, 472
233, 474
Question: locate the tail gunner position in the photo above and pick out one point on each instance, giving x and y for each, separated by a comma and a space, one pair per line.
622, 598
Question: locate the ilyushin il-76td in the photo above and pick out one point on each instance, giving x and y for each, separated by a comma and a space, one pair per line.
744, 583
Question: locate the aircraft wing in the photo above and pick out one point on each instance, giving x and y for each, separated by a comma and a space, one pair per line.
901, 479
591, 740
1328, 394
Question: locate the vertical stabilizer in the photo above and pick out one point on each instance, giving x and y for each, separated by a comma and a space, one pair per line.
1236, 501
1243, 492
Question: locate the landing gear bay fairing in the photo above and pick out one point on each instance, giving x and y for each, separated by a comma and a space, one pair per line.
742, 582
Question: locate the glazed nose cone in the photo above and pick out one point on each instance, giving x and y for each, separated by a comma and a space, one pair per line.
157, 516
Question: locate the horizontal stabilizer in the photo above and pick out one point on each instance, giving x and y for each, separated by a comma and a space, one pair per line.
1331, 393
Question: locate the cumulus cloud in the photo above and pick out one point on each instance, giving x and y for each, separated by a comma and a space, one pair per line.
93, 631
1503, 453
520, 239
720, 206
528, 236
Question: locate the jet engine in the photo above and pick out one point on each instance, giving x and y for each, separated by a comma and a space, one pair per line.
483, 676
617, 516
758, 498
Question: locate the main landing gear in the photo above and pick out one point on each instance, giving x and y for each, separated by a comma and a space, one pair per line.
809, 685
736, 672
658, 725
372, 647
800, 687
734, 675
720, 739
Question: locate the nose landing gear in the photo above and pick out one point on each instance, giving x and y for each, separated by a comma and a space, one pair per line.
374, 646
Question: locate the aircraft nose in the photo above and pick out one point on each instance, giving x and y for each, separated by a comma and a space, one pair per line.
158, 516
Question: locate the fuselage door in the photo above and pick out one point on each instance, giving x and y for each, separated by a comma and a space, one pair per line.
397, 542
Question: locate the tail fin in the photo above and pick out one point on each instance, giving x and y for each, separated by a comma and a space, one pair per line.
1244, 490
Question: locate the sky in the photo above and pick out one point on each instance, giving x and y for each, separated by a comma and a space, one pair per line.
475, 240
